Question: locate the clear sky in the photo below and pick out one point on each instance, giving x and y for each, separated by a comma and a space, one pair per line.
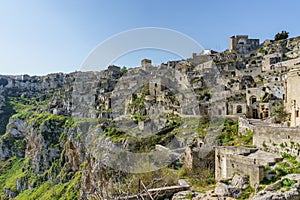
45, 36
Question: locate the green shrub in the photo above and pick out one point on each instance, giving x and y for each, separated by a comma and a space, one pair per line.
288, 182
189, 196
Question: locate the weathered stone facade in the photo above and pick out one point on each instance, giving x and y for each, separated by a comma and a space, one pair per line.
277, 139
146, 62
269, 61
231, 160
246, 161
292, 98
242, 44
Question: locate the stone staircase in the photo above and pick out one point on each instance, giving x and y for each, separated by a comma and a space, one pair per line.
259, 122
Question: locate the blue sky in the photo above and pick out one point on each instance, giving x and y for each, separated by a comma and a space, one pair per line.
43, 36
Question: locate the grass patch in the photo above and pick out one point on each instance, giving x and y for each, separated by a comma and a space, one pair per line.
199, 178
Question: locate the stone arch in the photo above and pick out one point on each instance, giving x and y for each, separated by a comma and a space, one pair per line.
252, 99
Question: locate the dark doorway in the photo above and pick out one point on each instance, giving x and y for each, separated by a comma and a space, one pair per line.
254, 114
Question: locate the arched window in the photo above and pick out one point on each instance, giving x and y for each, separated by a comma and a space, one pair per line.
252, 99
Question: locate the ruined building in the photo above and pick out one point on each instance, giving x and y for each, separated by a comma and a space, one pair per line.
242, 44
146, 62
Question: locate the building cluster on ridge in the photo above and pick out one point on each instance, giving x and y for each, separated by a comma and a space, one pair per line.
257, 79
249, 82
255, 76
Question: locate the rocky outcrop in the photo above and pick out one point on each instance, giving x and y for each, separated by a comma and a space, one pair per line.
228, 189
185, 195
13, 142
201, 153
66, 125
287, 188
233, 188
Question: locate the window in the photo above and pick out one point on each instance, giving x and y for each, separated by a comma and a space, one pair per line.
239, 109
297, 113
253, 100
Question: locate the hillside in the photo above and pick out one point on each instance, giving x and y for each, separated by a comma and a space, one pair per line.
94, 135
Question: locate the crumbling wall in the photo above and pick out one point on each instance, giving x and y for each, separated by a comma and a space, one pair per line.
231, 160
277, 139
244, 166
244, 125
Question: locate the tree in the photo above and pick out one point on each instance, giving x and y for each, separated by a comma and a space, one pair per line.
281, 36
279, 113
124, 69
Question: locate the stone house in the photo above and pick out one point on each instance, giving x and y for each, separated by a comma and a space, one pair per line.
257, 109
253, 71
237, 108
292, 97
269, 61
242, 44
242, 160
259, 99
146, 62
197, 59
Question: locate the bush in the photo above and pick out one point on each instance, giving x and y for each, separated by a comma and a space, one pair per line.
281, 36
278, 112
288, 182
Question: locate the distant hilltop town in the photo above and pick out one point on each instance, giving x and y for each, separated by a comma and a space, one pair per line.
233, 115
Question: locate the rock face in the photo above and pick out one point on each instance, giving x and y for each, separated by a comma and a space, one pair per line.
62, 120
185, 195
234, 189
285, 189
53, 128
201, 153
226, 189
39, 143
282, 189
13, 142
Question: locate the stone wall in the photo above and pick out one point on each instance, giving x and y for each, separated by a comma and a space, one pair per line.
277, 139
253, 71
231, 160
244, 166
289, 63
238, 108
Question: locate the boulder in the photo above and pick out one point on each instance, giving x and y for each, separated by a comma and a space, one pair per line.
278, 191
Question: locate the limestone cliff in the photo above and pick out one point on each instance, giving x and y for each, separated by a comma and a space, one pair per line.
55, 128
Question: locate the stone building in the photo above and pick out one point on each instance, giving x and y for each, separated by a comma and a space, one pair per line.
250, 71
259, 100
200, 58
292, 97
146, 62
242, 160
257, 109
269, 61
237, 108
242, 44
